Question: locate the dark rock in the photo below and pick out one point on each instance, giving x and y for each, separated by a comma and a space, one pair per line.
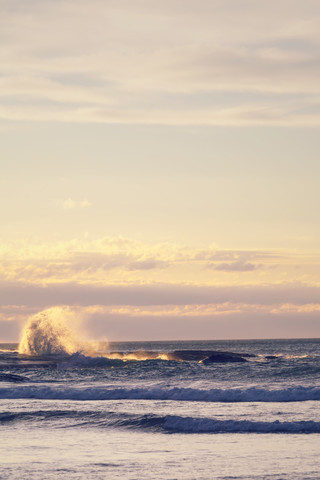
271, 357
220, 357
189, 355
202, 355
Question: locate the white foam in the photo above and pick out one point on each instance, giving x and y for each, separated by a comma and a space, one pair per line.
48, 332
56, 331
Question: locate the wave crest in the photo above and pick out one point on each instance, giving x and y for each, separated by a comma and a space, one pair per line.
252, 394
165, 423
49, 333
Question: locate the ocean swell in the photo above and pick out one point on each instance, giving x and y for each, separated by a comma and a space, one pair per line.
252, 394
207, 425
165, 423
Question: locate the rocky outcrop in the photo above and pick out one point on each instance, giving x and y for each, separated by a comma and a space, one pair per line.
189, 355
220, 357
207, 356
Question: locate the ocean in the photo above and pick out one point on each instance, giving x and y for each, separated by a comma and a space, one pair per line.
162, 410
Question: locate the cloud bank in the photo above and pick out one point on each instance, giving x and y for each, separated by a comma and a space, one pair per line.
182, 63
124, 261
121, 285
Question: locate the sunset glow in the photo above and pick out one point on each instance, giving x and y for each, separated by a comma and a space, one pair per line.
160, 167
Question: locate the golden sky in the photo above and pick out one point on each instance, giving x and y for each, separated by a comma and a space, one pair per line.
160, 168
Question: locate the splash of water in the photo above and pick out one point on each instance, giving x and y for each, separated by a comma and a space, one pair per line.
55, 331
51, 332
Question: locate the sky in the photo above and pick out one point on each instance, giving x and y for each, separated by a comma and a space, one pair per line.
160, 169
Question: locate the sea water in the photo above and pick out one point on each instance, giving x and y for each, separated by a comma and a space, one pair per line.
129, 411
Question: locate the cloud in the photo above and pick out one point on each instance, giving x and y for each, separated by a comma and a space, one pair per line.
277, 113
18, 294
167, 310
136, 58
125, 261
148, 264
84, 260
177, 324
236, 266
244, 326
70, 204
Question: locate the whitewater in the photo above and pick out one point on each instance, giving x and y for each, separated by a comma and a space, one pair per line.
225, 410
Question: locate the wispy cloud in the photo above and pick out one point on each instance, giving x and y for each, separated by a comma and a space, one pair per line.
120, 260
270, 296
70, 204
171, 312
137, 58
236, 266
160, 288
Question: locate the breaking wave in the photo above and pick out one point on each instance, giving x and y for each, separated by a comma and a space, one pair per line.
48, 333
165, 423
13, 378
55, 331
207, 425
253, 394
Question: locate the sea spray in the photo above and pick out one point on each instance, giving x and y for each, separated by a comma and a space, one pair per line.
51, 332
58, 331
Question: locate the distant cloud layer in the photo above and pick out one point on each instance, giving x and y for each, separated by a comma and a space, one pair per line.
158, 294
120, 260
171, 312
236, 266
117, 279
178, 63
